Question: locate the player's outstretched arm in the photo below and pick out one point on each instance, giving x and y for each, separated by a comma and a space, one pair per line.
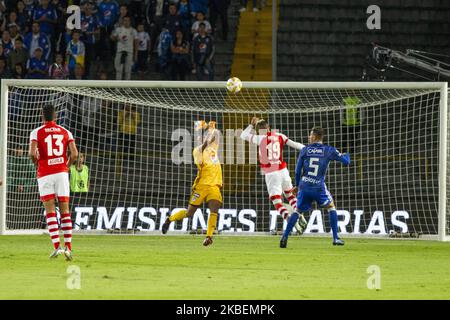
73, 153
344, 158
295, 145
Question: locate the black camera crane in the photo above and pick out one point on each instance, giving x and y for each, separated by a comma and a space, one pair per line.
382, 59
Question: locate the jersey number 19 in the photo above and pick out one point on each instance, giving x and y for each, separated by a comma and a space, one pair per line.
273, 151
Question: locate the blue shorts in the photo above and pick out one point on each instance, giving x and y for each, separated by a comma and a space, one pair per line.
305, 198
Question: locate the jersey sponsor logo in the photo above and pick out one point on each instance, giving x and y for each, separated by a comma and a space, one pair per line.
315, 151
52, 162
310, 180
214, 158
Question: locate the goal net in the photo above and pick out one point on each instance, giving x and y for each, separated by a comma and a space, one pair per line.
138, 137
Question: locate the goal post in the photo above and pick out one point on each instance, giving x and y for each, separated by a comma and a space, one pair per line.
444, 173
3, 153
138, 137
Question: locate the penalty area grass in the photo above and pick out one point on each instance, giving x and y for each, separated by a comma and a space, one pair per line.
234, 267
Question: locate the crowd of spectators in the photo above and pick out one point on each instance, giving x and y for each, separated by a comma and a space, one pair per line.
115, 38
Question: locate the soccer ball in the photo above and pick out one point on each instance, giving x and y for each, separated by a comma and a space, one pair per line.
234, 85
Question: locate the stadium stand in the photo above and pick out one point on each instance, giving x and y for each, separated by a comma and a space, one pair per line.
253, 51
97, 49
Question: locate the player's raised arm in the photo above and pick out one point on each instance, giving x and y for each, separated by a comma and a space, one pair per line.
249, 135
210, 138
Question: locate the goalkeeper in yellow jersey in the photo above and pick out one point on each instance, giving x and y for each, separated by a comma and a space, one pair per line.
208, 182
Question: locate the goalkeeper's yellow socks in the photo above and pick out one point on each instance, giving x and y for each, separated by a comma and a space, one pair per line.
212, 221
180, 215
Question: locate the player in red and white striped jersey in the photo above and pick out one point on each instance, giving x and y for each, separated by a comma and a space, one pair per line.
48, 150
275, 170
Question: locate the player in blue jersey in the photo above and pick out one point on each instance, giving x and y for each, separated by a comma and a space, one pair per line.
310, 175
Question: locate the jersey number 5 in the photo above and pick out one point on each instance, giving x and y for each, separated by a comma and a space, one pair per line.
54, 140
314, 165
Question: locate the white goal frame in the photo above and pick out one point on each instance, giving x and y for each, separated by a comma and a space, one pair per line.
443, 125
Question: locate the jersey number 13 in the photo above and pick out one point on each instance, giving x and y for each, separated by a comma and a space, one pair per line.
55, 146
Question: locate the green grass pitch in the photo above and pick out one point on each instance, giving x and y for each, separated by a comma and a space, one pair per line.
179, 267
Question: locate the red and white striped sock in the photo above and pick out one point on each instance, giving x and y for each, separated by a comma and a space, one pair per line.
66, 227
52, 225
291, 198
278, 203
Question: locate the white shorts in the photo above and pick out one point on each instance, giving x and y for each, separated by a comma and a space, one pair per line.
54, 186
278, 181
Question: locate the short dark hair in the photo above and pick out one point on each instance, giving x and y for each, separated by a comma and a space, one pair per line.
202, 24
318, 132
48, 111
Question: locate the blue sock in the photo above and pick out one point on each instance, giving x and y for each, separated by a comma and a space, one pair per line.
334, 223
291, 223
